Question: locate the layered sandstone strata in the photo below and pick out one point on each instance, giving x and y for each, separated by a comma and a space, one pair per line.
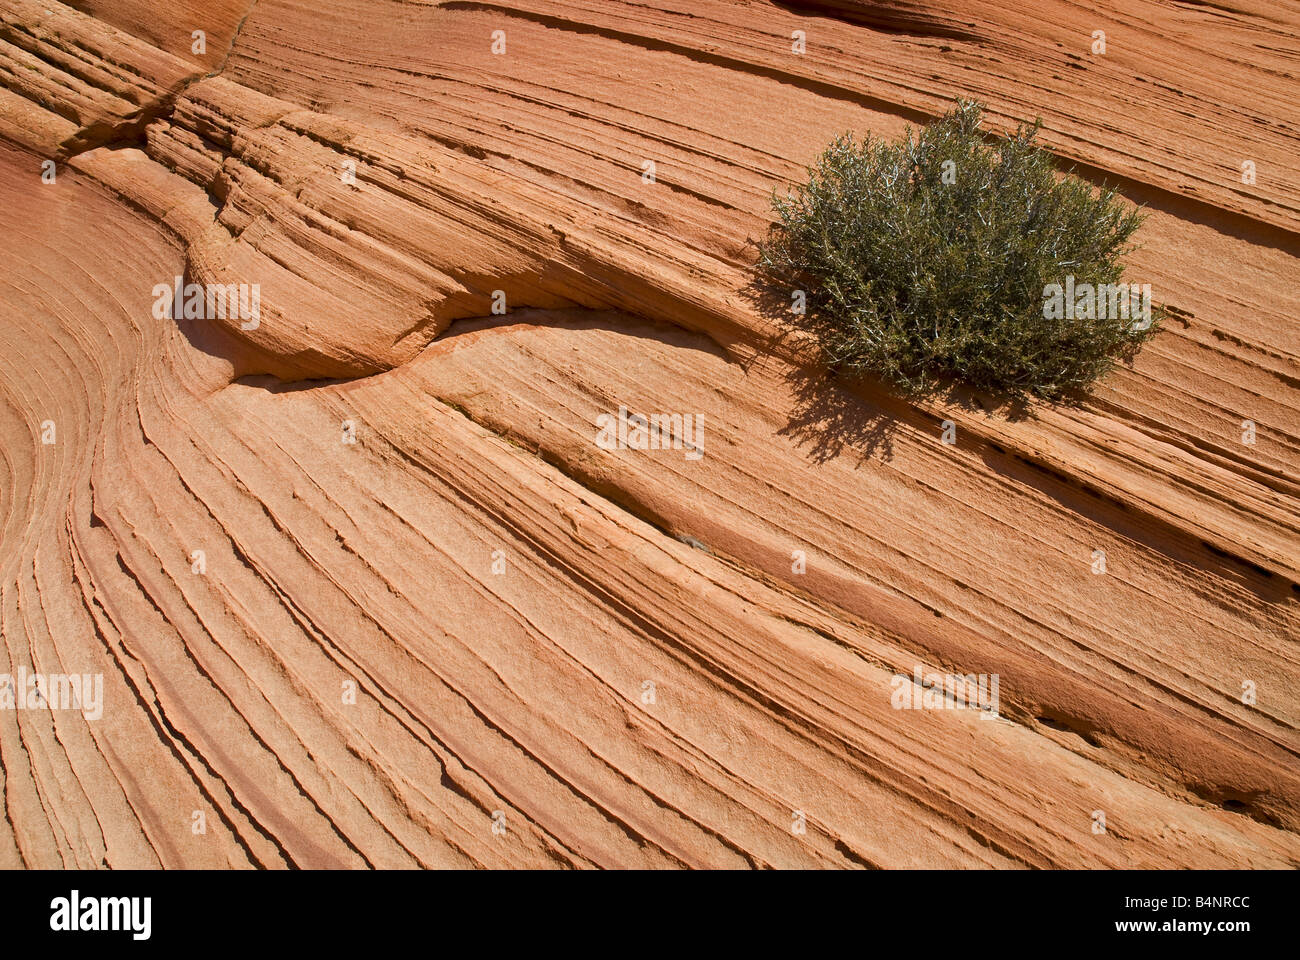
362, 585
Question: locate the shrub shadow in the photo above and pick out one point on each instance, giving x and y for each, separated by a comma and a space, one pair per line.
837, 411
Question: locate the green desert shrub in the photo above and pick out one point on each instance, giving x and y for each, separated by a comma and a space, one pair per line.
929, 260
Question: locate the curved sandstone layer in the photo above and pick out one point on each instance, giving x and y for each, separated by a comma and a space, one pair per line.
364, 585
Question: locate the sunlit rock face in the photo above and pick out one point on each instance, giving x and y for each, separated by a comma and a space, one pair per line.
397, 455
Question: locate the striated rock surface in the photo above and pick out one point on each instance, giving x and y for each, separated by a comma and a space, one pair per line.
361, 584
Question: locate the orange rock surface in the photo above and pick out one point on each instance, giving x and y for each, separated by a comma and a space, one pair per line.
432, 622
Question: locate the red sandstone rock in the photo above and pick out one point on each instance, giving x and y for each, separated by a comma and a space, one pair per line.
465, 610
